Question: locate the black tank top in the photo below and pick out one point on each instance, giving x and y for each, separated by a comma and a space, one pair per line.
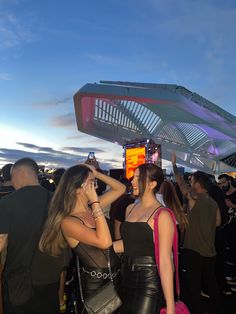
94, 257
138, 238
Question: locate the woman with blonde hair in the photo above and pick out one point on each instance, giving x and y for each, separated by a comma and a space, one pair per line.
76, 219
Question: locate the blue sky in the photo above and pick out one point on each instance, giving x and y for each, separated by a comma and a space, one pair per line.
51, 48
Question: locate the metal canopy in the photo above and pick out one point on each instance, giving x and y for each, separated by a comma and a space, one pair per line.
202, 134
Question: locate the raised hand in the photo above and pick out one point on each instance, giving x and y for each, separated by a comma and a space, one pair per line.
90, 191
173, 158
92, 162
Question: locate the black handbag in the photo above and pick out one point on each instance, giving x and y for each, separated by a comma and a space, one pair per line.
103, 301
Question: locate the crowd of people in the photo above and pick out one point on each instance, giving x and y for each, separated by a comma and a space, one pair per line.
63, 239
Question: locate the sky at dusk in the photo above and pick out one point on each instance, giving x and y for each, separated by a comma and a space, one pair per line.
51, 48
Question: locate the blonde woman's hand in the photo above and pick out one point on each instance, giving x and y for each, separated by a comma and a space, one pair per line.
90, 191
92, 168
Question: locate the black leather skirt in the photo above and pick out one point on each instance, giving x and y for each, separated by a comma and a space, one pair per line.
140, 286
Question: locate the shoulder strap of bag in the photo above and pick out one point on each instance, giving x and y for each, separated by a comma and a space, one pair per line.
175, 245
79, 276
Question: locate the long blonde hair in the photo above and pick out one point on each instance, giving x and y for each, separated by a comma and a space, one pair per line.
63, 202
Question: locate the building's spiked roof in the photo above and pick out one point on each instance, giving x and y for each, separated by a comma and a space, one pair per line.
202, 134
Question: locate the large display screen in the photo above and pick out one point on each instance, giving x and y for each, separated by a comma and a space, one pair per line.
134, 156
137, 153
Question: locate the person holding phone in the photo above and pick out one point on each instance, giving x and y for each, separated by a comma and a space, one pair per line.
91, 157
76, 219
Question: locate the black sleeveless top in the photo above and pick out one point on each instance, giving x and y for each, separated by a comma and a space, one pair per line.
94, 257
138, 238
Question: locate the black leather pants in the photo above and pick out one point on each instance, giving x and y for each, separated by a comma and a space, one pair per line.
140, 288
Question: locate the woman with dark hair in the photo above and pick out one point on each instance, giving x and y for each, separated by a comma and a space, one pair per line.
141, 284
76, 218
171, 200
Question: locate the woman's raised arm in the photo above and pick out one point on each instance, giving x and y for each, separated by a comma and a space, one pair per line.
116, 189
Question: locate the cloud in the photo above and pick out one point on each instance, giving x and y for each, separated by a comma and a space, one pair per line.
83, 149
4, 77
88, 138
65, 151
13, 32
55, 158
93, 142
52, 160
66, 120
37, 148
64, 100
209, 31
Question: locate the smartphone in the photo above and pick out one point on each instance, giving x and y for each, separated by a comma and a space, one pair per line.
91, 156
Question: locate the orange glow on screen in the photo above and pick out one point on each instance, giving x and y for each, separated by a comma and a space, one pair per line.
133, 158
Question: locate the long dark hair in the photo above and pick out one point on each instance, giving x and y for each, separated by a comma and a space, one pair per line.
151, 172
172, 201
63, 202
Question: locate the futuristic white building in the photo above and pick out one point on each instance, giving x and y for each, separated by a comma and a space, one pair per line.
202, 134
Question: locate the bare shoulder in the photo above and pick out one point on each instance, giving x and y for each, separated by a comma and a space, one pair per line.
129, 209
165, 217
71, 221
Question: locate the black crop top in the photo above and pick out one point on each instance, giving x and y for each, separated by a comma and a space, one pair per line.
93, 256
137, 238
